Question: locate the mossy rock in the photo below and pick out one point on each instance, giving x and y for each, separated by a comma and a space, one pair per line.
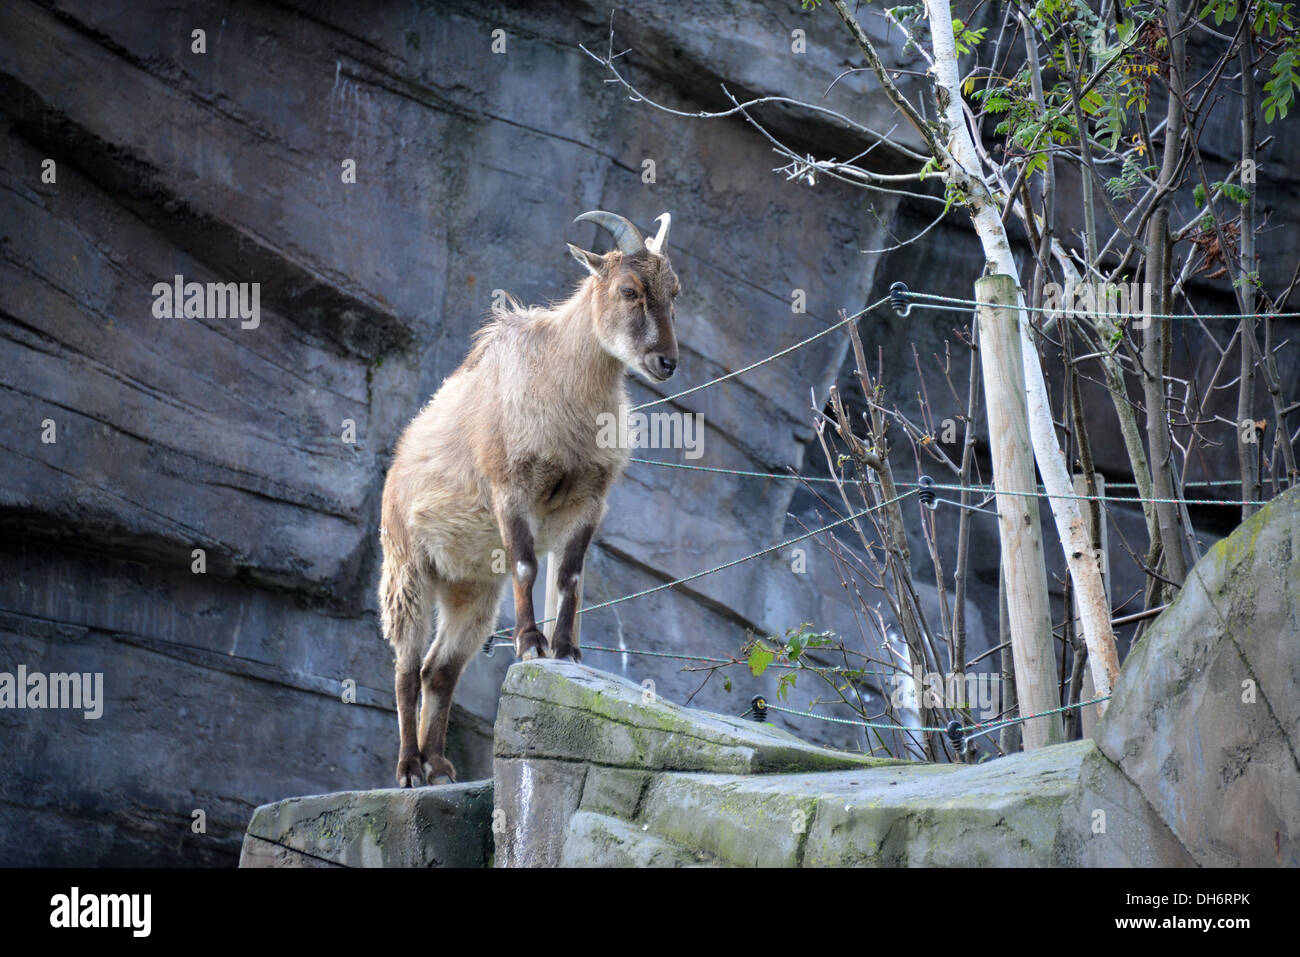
447, 826
563, 711
1197, 754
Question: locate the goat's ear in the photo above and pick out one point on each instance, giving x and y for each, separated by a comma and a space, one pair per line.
590, 261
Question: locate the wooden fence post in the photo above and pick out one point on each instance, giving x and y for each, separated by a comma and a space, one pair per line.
1023, 565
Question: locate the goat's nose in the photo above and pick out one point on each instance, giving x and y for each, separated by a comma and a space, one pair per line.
669, 366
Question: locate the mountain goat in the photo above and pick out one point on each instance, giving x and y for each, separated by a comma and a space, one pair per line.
504, 463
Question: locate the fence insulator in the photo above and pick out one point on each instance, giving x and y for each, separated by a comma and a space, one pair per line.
758, 708
898, 298
927, 491
956, 736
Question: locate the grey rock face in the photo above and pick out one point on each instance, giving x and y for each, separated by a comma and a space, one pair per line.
571, 737
445, 826
590, 772
1133, 835
225, 689
1197, 754
1193, 764
598, 840
557, 710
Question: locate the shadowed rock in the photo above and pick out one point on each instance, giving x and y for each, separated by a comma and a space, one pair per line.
1196, 759
448, 826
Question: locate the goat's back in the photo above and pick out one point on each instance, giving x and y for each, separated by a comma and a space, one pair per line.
514, 414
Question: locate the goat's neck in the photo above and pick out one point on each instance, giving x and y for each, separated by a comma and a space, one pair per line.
591, 376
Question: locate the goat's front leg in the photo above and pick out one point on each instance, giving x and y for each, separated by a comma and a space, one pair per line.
520, 552
563, 642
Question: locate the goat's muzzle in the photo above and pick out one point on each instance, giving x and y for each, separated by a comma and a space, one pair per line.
661, 366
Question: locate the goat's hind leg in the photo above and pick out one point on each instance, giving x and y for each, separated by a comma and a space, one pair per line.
466, 613
406, 610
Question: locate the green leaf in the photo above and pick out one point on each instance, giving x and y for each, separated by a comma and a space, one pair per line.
784, 685
1284, 80
1234, 192
759, 659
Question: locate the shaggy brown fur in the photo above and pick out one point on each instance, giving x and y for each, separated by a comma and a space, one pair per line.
503, 464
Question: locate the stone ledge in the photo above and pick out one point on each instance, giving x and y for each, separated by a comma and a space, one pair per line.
446, 826
591, 771
558, 710
999, 814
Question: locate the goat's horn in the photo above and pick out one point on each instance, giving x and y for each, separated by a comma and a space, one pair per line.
656, 244
626, 236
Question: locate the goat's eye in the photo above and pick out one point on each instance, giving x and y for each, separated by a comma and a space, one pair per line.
628, 292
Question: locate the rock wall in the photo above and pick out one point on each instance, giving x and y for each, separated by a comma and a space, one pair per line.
227, 689
1198, 757
1194, 764
447, 826
593, 771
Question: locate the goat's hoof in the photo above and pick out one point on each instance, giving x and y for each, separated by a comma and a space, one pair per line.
568, 653
408, 771
438, 770
530, 644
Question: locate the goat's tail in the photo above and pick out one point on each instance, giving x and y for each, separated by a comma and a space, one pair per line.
404, 599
